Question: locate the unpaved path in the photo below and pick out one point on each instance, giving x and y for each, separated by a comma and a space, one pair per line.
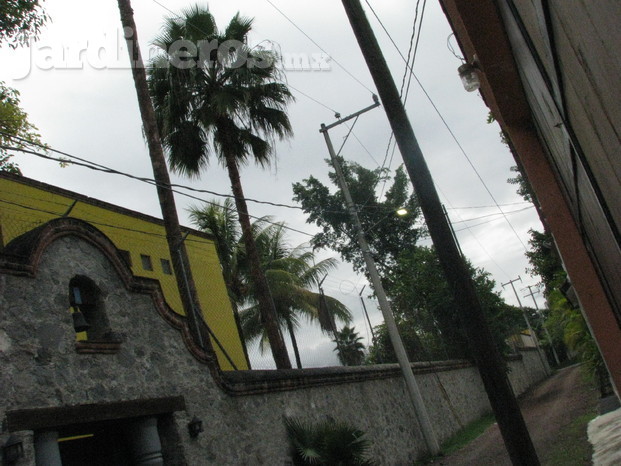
548, 408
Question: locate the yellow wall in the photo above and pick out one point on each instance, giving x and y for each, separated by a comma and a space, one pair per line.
24, 207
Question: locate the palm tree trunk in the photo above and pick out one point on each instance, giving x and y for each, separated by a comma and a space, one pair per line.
294, 343
178, 253
266, 304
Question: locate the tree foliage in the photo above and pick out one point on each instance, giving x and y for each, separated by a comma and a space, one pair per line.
350, 349
15, 129
326, 443
386, 232
291, 273
411, 274
20, 20
228, 100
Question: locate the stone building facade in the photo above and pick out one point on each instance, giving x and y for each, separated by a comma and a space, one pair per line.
139, 391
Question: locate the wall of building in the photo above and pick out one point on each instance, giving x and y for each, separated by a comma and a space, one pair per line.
27, 204
41, 369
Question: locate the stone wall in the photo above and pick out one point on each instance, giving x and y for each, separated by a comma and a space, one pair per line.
41, 369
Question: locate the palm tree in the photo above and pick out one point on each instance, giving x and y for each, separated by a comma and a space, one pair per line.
327, 442
349, 347
228, 100
219, 221
290, 272
176, 246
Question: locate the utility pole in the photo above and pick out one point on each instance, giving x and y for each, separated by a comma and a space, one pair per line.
530, 328
406, 368
488, 359
366, 314
545, 329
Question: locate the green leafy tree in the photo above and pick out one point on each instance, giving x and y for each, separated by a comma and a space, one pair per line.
326, 443
291, 274
411, 274
387, 232
227, 99
15, 129
564, 322
20, 20
350, 349
423, 303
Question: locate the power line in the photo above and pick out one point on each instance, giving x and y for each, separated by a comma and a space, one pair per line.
494, 214
311, 98
318, 46
97, 167
409, 79
144, 179
448, 127
490, 206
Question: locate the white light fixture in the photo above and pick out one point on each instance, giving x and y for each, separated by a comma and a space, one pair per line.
402, 211
468, 72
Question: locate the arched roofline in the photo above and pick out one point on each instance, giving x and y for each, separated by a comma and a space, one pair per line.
22, 256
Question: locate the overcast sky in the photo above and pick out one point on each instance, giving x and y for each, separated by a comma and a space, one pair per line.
85, 104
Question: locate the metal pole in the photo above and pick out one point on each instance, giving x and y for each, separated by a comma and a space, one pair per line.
393, 332
530, 328
489, 361
545, 329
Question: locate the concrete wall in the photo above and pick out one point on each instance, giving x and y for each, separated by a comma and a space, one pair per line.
42, 369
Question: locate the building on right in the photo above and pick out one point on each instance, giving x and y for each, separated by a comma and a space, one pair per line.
550, 74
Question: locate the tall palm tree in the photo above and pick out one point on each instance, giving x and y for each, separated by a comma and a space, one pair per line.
290, 272
176, 246
219, 221
228, 100
349, 349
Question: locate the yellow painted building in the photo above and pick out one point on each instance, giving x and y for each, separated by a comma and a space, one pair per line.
26, 204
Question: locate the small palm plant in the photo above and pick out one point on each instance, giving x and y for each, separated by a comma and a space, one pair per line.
326, 443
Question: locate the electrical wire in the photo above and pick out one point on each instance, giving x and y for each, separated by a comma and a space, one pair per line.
311, 98
494, 214
144, 179
454, 137
96, 167
319, 46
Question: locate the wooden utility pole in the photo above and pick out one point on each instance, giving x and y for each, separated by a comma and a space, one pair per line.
488, 359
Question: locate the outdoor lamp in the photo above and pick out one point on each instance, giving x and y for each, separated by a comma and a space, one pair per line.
468, 72
12, 450
195, 427
402, 211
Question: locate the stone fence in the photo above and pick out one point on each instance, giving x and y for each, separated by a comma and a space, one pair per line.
146, 390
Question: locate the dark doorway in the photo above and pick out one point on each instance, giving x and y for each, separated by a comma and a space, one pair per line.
100, 444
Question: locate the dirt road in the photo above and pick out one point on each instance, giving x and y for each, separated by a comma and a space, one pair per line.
548, 409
